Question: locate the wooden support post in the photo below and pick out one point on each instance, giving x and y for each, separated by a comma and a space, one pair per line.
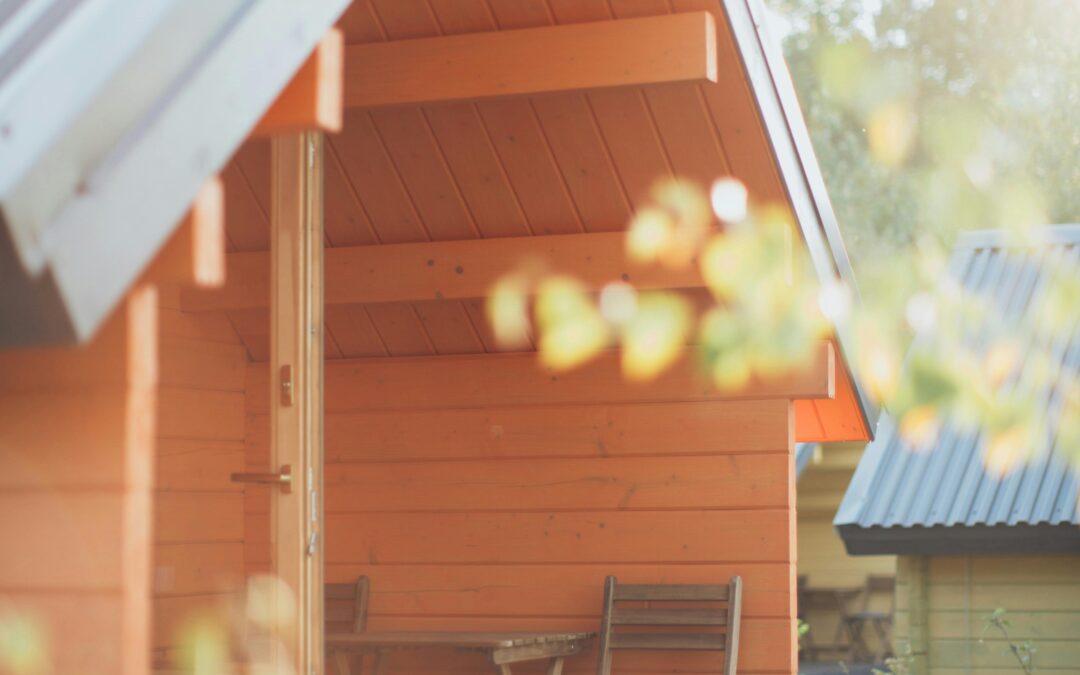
296, 343
918, 578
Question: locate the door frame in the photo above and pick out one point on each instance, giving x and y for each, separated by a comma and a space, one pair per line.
296, 369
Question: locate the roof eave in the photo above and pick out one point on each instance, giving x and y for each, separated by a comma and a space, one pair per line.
961, 540
785, 128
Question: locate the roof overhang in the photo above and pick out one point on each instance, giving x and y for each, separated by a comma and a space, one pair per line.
793, 150
961, 540
114, 115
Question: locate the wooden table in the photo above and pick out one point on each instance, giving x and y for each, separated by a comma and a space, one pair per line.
502, 648
823, 598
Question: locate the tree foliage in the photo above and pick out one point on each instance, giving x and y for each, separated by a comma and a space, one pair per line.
933, 116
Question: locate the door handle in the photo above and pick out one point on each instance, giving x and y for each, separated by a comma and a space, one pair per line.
282, 479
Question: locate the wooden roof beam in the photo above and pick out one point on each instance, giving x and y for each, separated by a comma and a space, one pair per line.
518, 379
625, 52
444, 270
312, 101
194, 255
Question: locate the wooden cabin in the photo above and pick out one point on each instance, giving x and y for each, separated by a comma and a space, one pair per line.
970, 542
833, 584
348, 344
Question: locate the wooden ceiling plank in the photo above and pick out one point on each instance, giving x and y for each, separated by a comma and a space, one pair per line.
312, 101
510, 380
526, 154
194, 255
443, 270
676, 48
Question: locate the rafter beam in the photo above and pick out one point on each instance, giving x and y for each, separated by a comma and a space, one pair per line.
444, 270
625, 52
518, 379
194, 255
313, 99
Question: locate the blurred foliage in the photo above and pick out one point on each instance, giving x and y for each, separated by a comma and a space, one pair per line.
23, 644
929, 117
934, 116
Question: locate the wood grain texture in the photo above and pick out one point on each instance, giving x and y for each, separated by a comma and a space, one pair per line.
446, 270
448, 382
77, 457
684, 536
531, 61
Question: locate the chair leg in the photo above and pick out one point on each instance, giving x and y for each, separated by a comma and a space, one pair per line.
605, 663
556, 666
342, 665
376, 662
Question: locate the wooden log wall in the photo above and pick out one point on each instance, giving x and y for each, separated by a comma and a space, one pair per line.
76, 458
474, 515
198, 523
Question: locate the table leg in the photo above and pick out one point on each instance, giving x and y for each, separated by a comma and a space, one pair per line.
556, 666
341, 663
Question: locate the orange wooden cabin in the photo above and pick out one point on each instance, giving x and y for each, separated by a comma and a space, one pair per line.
349, 341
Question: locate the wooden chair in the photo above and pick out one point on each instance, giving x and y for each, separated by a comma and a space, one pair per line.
881, 621
711, 628
346, 612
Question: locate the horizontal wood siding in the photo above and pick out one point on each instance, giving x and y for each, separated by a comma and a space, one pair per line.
76, 452
1041, 596
199, 513
502, 518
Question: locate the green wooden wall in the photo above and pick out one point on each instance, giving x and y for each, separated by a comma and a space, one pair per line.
943, 604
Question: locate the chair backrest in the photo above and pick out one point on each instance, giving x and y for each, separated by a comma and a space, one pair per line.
346, 606
879, 584
699, 617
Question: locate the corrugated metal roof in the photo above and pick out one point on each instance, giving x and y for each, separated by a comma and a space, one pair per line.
906, 495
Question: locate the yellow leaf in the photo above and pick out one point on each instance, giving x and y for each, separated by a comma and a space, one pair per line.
1006, 450
571, 328
508, 312
655, 335
890, 132
920, 427
649, 235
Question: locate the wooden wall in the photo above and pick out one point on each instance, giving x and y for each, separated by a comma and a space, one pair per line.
198, 522
822, 556
510, 517
76, 457
1041, 596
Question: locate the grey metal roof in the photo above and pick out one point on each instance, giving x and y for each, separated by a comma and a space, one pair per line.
942, 500
113, 113
804, 453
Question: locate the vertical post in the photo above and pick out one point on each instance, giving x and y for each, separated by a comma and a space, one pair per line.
296, 348
918, 573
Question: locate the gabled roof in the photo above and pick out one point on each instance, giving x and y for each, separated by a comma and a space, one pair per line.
113, 113
943, 501
781, 115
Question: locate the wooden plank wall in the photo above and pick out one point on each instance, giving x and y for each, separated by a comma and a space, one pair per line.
76, 454
198, 524
509, 518
1041, 596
